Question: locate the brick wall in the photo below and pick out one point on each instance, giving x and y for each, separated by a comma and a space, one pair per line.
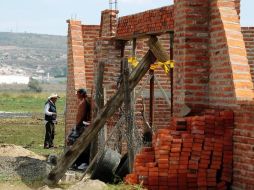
248, 36
243, 146
191, 54
238, 7
81, 45
76, 77
90, 33
151, 21
230, 77
108, 23
211, 68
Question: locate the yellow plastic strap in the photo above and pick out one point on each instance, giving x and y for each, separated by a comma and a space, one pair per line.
153, 66
165, 65
133, 61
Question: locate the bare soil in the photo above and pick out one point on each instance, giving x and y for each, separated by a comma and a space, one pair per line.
21, 169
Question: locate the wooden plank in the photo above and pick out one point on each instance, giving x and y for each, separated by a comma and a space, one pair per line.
108, 110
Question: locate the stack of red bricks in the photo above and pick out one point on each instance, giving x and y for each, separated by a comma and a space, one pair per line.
194, 153
152, 21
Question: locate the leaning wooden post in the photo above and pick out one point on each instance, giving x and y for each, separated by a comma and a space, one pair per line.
128, 114
108, 110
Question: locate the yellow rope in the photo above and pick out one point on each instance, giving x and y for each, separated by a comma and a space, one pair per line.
165, 65
133, 61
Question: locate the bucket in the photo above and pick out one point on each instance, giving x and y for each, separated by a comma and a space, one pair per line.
106, 166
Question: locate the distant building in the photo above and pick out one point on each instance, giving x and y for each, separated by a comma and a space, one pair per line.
12, 79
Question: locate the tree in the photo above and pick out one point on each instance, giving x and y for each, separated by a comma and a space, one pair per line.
34, 85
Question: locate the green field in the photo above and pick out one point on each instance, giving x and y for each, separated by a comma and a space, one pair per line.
29, 132
27, 102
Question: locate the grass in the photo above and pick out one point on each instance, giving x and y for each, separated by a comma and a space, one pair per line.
29, 132
27, 102
123, 186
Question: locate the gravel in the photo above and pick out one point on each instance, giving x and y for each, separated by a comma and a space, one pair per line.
20, 164
17, 163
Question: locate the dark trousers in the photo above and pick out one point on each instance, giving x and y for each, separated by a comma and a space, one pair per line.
83, 157
49, 134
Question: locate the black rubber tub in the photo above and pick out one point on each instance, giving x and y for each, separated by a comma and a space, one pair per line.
106, 167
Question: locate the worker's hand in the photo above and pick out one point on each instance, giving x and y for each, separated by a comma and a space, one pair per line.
86, 123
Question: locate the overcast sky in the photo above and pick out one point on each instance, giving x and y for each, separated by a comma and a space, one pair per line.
49, 16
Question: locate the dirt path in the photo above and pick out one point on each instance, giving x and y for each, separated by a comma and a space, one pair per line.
13, 186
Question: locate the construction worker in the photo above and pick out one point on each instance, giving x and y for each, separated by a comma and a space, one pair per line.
82, 122
50, 118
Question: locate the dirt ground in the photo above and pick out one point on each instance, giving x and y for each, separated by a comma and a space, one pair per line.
21, 169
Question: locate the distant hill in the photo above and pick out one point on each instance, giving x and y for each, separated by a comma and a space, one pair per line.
32, 54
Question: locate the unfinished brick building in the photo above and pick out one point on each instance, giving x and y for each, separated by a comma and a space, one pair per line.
214, 68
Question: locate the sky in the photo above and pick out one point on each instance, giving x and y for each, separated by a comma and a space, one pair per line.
49, 16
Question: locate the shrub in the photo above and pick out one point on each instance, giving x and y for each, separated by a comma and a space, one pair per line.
34, 85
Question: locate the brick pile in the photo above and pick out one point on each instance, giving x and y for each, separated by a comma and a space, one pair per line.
151, 21
194, 153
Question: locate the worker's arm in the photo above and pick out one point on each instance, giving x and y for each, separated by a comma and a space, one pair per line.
46, 110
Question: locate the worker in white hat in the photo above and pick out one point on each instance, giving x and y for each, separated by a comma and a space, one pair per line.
50, 118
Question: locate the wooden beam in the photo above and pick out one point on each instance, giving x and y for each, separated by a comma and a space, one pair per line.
158, 50
109, 109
